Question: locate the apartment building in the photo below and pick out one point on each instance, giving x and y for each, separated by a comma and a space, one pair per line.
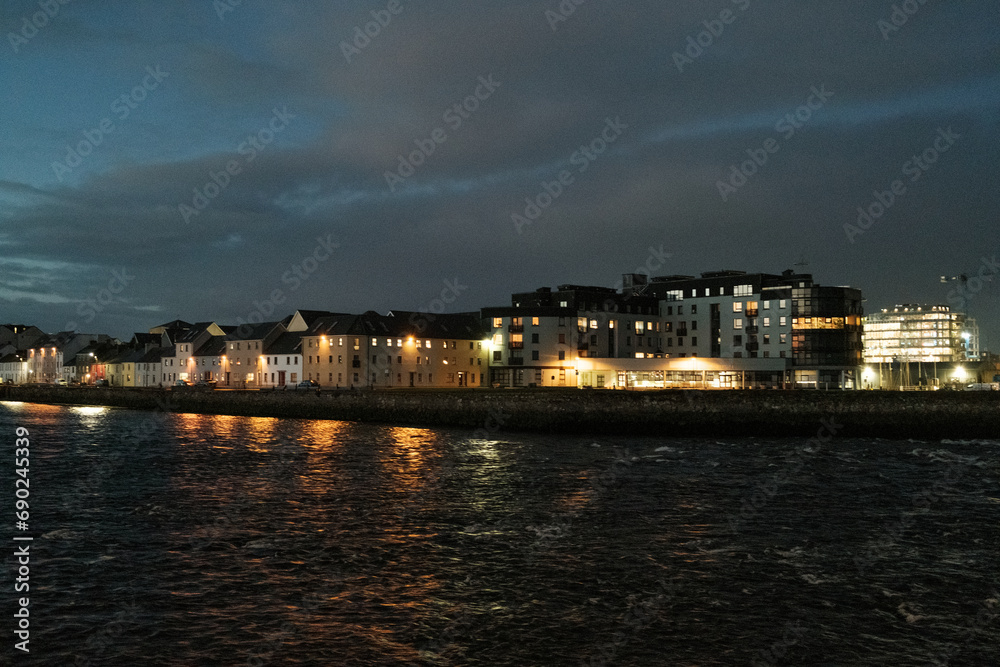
537, 340
815, 329
399, 349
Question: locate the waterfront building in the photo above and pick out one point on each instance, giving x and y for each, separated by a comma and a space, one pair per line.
188, 345
734, 315
725, 329
282, 363
399, 349
920, 345
537, 340
14, 367
243, 354
917, 333
46, 357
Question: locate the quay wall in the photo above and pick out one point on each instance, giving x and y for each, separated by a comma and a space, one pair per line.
896, 415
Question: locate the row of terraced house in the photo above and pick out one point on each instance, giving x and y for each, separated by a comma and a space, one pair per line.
724, 329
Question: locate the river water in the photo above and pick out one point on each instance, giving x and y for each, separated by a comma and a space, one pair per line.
176, 539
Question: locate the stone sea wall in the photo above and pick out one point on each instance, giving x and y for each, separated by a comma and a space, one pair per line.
899, 415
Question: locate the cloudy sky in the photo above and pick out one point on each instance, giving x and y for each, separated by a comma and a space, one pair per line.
191, 159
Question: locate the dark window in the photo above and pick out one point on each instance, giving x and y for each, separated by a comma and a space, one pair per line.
496, 355
534, 355
534, 338
562, 354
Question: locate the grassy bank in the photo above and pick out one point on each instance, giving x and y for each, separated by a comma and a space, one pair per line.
926, 415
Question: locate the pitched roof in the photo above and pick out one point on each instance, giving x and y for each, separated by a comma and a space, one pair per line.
287, 343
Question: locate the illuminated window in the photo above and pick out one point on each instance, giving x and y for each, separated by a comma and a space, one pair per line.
593, 324
374, 342
497, 322
737, 323
782, 321
783, 303
534, 321
737, 306
767, 320
640, 327
742, 290
766, 305
497, 340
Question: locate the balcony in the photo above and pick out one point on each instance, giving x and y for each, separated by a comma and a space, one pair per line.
753, 347
752, 329
515, 345
515, 361
751, 312
515, 328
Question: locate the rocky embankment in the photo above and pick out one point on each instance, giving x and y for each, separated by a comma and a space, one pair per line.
925, 415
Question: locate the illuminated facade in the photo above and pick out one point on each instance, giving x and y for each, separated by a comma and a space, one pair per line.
399, 349
919, 333
542, 338
814, 330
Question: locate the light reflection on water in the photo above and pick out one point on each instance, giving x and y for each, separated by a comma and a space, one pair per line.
215, 531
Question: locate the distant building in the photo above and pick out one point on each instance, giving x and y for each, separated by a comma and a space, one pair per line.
919, 333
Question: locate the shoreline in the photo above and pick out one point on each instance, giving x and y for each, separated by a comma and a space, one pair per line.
667, 413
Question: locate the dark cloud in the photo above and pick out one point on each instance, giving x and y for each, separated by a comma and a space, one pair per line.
324, 176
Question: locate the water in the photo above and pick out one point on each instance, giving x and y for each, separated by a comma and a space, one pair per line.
212, 540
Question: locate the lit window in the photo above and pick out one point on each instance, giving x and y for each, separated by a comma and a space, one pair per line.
737, 306
767, 305
767, 320
783, 321
737, 323
534, 321
783, 304
497, 322
593, 324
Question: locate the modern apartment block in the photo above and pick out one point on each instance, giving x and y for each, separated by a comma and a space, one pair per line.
725, 329
539, 338
814, 329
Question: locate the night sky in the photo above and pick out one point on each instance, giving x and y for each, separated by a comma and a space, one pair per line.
191, 159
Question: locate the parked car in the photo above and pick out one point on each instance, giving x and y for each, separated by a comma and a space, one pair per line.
61, 383
205, 384
102, 383
306, 385
182, 383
